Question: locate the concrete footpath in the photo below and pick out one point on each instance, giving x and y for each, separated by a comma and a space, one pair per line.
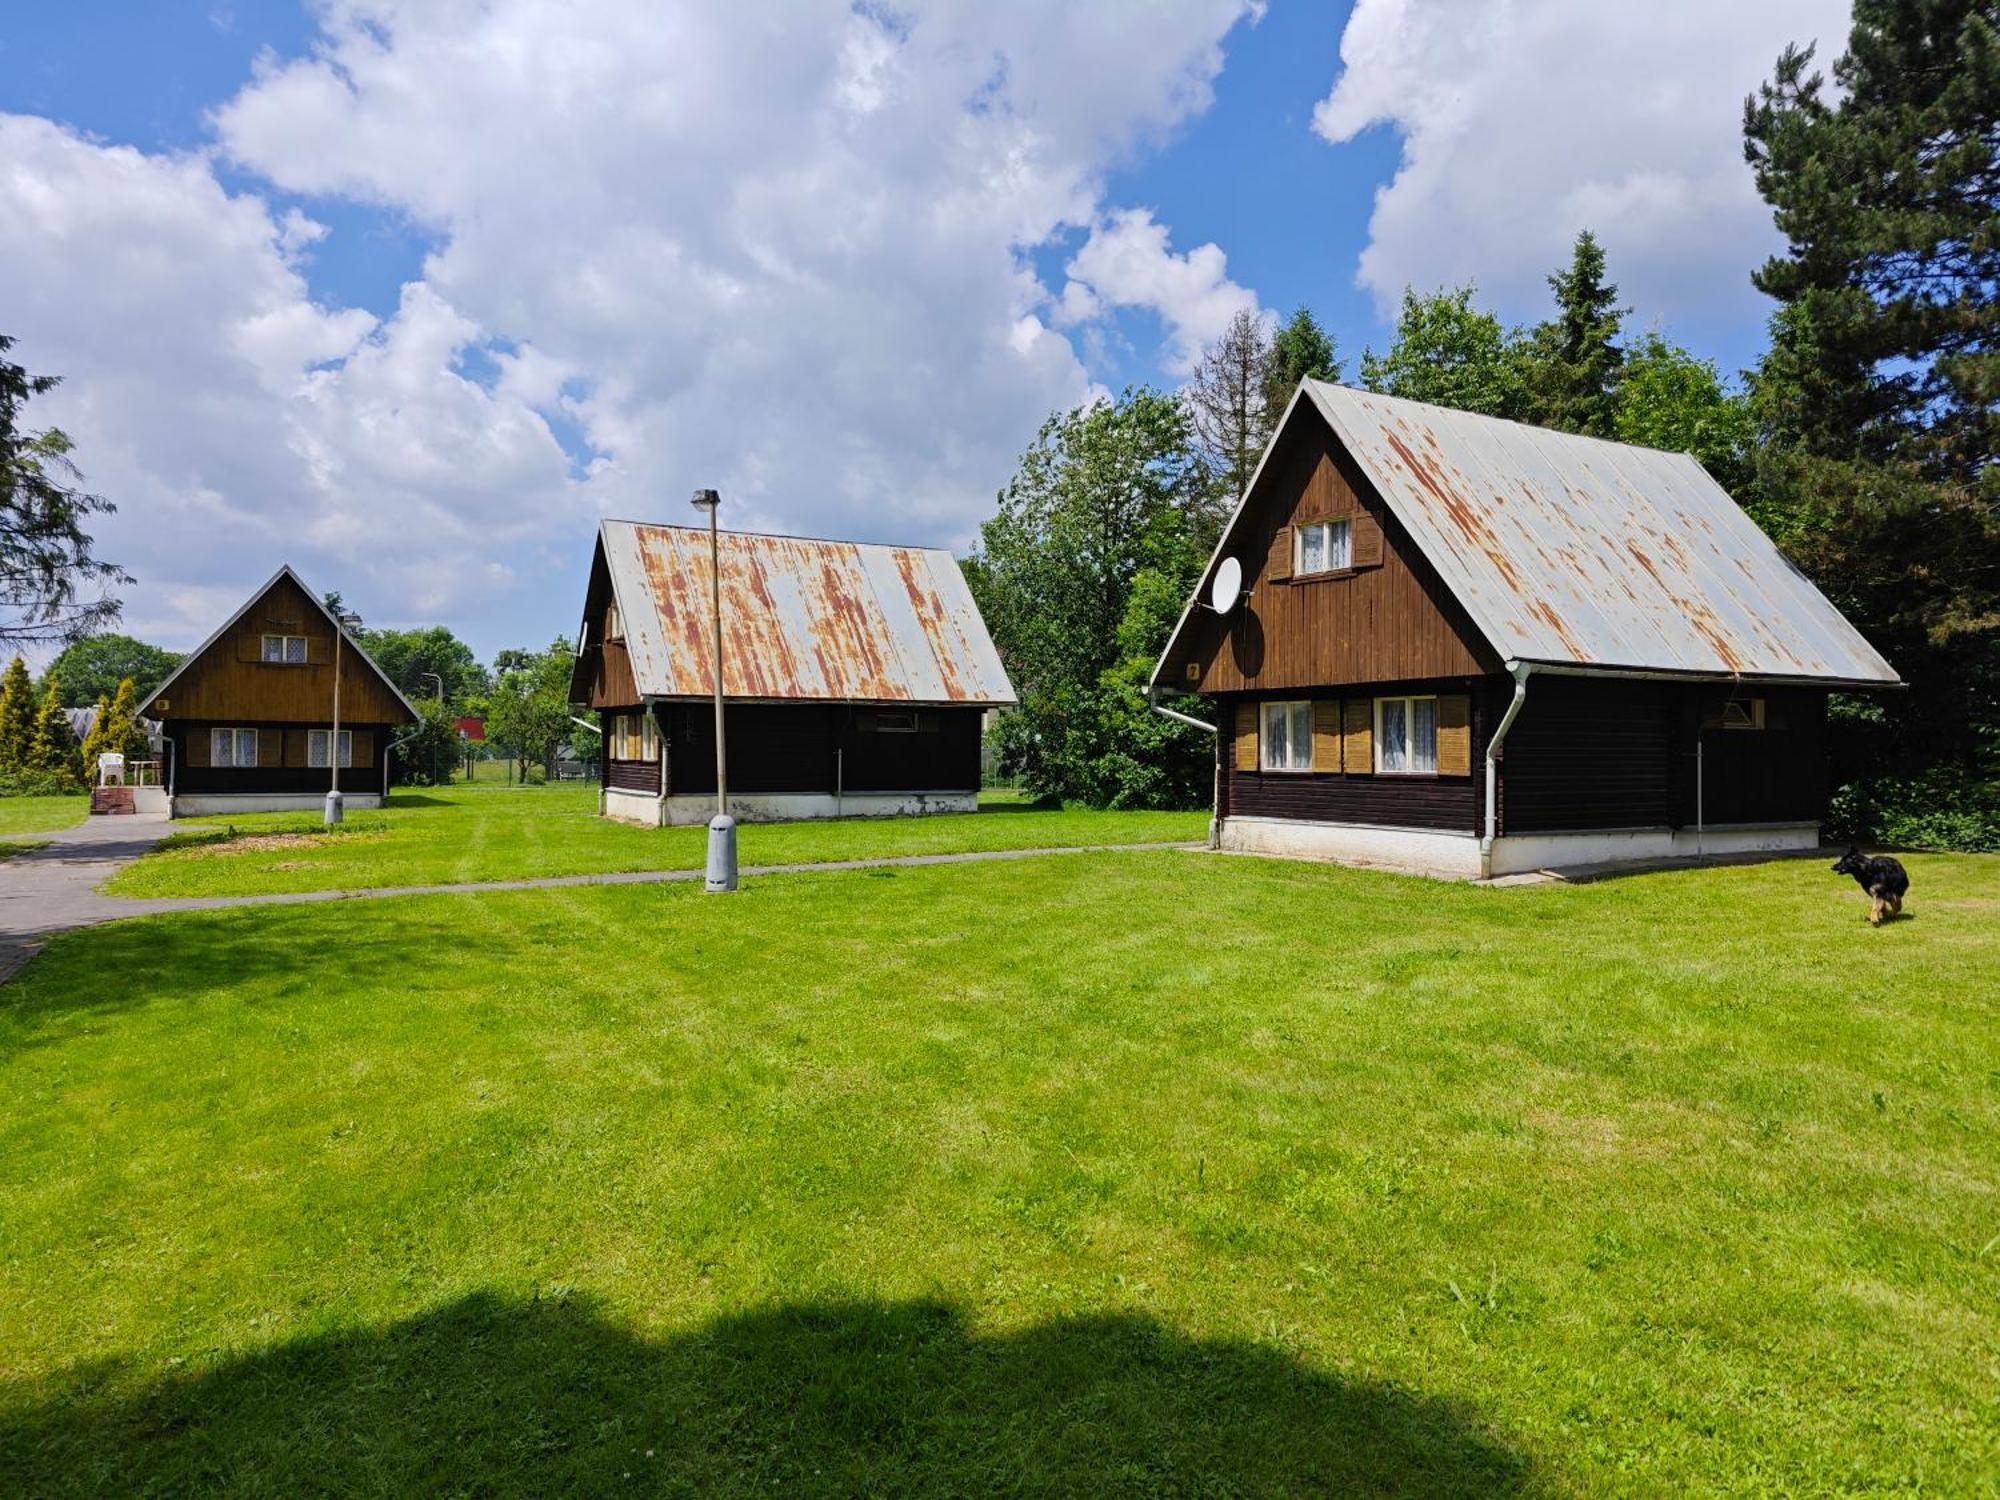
52, 890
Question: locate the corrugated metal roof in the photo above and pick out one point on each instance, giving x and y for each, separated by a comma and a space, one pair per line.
801, 619
1571, 550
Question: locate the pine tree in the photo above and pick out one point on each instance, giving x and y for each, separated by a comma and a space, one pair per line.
17, 716
1878, 404
1575, 356
1889, 198
52, 751
1301, 350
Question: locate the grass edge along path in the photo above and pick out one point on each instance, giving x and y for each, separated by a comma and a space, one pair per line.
469, 835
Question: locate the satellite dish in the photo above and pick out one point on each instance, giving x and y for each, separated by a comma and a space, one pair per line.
1227, 587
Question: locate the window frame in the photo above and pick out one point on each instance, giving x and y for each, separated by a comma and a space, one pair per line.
1754, 715
346, 750
234, 762
1409, 727
1290, 707
896, 721
1345, 524
623, 729
284, 658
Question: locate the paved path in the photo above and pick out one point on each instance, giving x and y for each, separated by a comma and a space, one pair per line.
52, 890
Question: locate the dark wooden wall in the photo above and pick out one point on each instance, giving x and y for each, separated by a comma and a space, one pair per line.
1584, 753
282, 750
230, 683
1393, 621
1444, 803
806, 747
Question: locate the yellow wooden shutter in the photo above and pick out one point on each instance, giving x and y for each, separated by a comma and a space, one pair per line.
361, 749
1246, 737
1357, 751
1454, 731
1365, 541
1326, 734
270, 747
197, 745
295, 748
1279, 568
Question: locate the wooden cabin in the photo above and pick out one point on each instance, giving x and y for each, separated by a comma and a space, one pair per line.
248, 717
855, 677
1468, 647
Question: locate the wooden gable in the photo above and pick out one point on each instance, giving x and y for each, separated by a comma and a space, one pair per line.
228, 680
1387, 618
602, 677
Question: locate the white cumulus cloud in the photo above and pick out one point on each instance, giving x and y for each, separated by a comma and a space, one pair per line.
1524, 121
786, 250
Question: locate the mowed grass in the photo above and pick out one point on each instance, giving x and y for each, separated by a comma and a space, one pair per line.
460, 834
1141, 1172
41, 814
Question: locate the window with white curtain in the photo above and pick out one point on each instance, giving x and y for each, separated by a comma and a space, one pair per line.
1406, 740
285, 650
317, 744
1288, 737
232, 747
1324, 547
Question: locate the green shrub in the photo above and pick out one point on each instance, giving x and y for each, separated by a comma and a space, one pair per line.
39, 784
1947, 807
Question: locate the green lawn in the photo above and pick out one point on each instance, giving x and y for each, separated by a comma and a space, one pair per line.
457, 834
41, 814
1158, 1172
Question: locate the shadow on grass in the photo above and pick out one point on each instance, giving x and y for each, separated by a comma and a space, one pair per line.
493, 1396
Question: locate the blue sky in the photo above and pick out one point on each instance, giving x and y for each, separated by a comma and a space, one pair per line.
408, 295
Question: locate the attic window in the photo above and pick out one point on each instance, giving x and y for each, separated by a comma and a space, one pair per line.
1743, 713
285, 650
896, 721
1324, 547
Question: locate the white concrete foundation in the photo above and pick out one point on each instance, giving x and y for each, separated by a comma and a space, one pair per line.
219, 804
1554, 851
151, 799
1415, 851
695, 809
1455, 856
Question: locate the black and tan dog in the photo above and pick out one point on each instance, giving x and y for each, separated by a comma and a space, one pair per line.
1885, 881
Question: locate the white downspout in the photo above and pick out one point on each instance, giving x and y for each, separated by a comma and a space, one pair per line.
1520, 671
1215, 796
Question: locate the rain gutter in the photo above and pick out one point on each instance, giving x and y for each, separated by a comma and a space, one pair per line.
1215, 797
1521, 671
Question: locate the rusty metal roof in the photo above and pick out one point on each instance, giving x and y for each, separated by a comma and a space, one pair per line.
801, 619
1576, 551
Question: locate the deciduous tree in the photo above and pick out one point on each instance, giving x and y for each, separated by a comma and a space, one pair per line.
1450, 353
96, 665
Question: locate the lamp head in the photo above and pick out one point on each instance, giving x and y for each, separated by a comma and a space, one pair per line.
706, 500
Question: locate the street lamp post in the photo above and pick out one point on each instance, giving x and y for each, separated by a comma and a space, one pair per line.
721, 827
439, 680
343, 621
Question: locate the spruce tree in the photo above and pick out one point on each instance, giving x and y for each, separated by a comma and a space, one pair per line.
52, 750
1300, 350
1575, 355
17, 716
